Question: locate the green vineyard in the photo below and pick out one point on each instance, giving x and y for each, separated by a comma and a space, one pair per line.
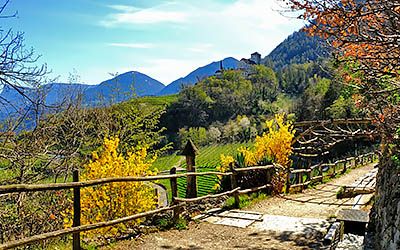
205, 184
207, 159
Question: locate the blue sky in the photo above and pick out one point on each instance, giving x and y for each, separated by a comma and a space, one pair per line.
164, 39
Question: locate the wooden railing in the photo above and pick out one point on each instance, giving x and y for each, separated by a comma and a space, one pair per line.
177, 203
318, 172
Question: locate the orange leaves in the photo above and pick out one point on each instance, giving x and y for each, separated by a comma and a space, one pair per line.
357, 100
358, 30
381, 117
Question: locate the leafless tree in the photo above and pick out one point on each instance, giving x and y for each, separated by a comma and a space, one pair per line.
19, 71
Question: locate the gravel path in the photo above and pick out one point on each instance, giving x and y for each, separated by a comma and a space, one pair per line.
319, 202
209, 236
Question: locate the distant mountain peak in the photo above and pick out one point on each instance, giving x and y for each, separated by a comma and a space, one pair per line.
198, 74
123, 87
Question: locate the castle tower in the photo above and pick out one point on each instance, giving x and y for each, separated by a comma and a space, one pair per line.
256, 57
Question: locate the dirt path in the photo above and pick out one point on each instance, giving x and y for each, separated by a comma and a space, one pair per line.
209, 236
319, 202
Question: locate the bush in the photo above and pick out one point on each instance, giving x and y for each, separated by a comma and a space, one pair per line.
115, 200
274, 146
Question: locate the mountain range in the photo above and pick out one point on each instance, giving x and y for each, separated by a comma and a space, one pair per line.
198, 74
297, 48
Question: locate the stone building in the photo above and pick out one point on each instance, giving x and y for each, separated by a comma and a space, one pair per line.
246, 64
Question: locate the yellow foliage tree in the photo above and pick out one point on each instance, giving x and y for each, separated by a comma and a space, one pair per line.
273, 146
115, 200
276, 144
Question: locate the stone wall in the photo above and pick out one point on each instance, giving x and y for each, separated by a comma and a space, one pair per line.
386, 213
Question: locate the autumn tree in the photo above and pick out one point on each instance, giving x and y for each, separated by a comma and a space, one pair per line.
366, 37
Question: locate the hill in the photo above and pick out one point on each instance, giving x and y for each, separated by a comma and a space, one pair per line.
55, 93
199, 74
121, 88
117, 89
298, 48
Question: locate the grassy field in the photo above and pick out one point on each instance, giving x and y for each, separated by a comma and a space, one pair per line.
205, 184
207, 160
208, 157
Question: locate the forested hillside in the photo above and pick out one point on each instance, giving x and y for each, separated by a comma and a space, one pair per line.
298, 48
233, 105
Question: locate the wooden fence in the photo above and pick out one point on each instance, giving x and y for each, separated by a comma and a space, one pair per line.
316, 173
313, 174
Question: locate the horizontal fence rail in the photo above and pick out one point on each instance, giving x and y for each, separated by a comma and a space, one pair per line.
18, 188
177, 203
326, 170
83, 228
336, 121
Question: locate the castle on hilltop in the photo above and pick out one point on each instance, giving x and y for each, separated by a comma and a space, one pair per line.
246, 64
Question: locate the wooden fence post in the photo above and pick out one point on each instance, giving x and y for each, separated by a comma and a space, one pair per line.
334, 169
321, 171
174, 194
268, 180
308, 174
344, 167
234, 184
190, 152
76, 240
301, 181
287, 188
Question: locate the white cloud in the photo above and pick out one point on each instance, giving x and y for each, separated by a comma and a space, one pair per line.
132, 45
128, 15
123, 8
208, 31
260, 14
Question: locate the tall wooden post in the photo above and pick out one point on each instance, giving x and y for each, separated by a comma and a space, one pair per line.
190, 152
174, 194
234, 184
76, 240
